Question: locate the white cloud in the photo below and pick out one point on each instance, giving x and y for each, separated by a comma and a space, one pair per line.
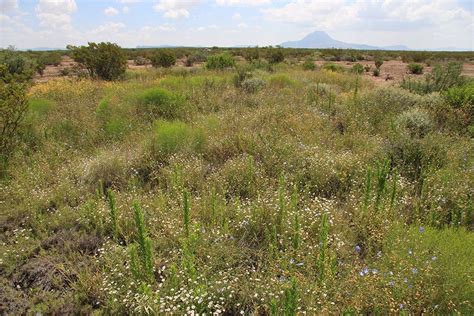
174, 9
8, 5
55, 13
237, 17
242, 26
129, 1
125, 9
111, 11
109, 27
252, 3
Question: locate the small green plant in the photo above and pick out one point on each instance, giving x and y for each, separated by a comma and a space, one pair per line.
376, 72
415, 69
141, 61
281, 206
357, 69
163, 58
171, 137
253, 85
159, 102
186, 216
296, 223
333, 67
141, 255
323, 247
309, 65
220, 62
113, 213
378, 63
367, 68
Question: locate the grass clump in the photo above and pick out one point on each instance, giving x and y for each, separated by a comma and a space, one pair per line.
415, 69
156, 103
220, 62
176, 136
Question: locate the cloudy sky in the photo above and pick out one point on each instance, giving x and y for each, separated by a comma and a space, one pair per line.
56, 23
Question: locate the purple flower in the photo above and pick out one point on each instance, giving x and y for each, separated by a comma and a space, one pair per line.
414, 270
358, 249
422, 229
391, 283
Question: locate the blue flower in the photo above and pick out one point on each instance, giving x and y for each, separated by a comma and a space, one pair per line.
414, 270
422, 229
358, 249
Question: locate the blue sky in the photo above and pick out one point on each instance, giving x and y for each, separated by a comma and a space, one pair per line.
55, 23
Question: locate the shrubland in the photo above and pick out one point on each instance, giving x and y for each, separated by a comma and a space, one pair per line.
237, 190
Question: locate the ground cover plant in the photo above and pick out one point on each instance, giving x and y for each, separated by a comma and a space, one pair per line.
238, 188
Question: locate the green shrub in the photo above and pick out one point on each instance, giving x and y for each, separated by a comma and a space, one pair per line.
16, 66
163, 58
357, 69
13, 108
220, 62
159, 102
376, 72
103, 60
367, 68
253, 85
242, 73
460, 97
416, 69
309, 65
173, 137
441, 78
416, 122
141, 253
378, 63
275, 55
333, 67
141, 61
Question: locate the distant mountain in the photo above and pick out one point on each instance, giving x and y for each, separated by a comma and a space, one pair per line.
321, 39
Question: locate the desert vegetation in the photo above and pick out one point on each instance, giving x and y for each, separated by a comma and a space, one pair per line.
260, 185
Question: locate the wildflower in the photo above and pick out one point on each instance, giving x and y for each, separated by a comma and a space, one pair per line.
422, 229
434, 258
375, 271
391, 283
358, 249
414, 270
410, 252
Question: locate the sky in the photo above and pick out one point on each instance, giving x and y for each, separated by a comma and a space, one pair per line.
418, 24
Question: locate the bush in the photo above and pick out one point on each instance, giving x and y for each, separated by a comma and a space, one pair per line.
141, 61
220, 62
460, 97
333, 67
172, 137
416, 69
163, 58
441, 78
13, 108
253, 85
16, 66
309, 65
242, 73
275, 55
158, 102
378, 63
357, 69
416, 122
103, 60
376, 72
251, 54
281, 81
367, 68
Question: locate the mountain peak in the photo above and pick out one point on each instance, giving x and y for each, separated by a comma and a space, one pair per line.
320, 39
